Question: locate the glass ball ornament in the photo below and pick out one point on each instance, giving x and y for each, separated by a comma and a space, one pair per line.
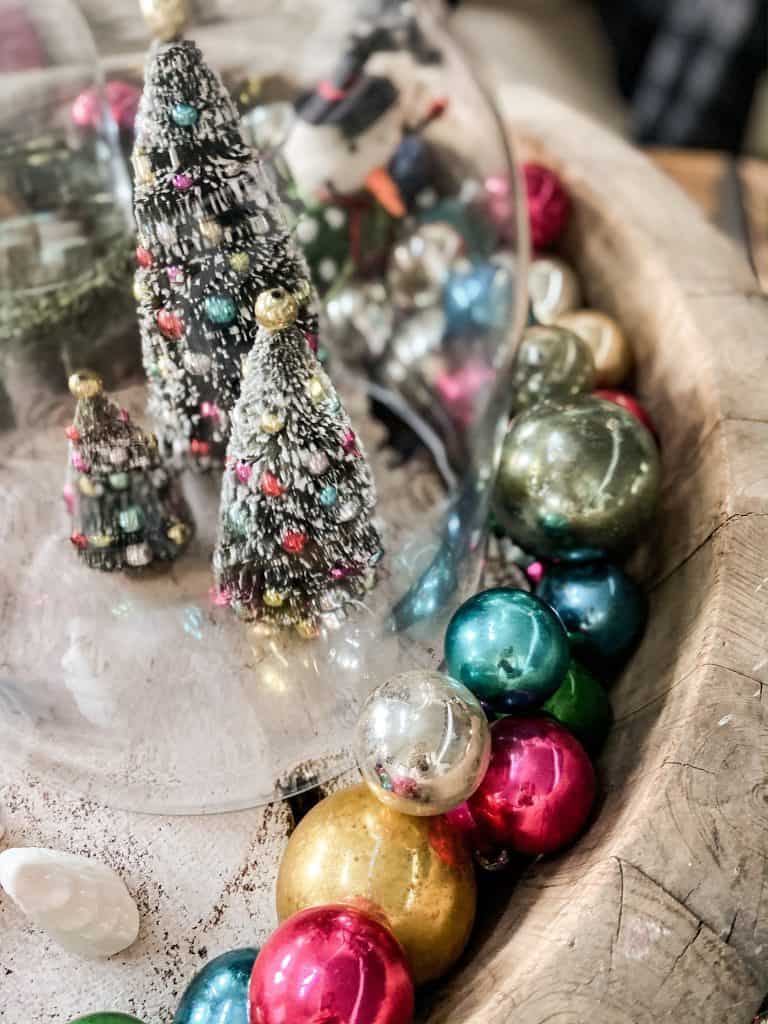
413, 872
581, 704
539, 788
508, 647
610, 346
218, 993
439, 404
601, 607
551, 363
422, 743
577, 479
331, 963
107, 1017
554, 288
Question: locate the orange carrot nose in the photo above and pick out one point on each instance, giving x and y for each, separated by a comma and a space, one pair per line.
380, 183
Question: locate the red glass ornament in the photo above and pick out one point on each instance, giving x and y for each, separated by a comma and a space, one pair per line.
548, 204
79, 540
170, 324
539, 788
272, 488
294, 541
124, 416
331, 965
200, 447
312, 340
72, 433
122, 98
210, 410
144, 257
349, 442
629, 403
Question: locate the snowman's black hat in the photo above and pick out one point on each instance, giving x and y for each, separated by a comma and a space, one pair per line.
349, 99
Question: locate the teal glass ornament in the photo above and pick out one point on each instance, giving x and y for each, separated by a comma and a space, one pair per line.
185, 115
603, 610
220, 309
107, 1017
119, 481
581, 704
577, 480
328, 496
218, 994
477, 297
508, 647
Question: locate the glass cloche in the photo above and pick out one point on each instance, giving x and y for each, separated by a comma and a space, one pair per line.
382, 157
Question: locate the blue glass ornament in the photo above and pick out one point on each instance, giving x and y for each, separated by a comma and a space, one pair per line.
477, 297
220, 309
185, 115
218, 994
508, 647
328, 496
412, 166
603, 610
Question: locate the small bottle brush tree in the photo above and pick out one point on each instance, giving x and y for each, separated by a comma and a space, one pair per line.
296, 539
127, 511
212, 236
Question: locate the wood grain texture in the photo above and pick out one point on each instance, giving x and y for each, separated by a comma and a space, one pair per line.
660, 912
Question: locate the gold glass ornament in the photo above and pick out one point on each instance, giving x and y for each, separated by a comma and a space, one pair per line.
303, 292
165, 18
142, 169
211, 230
89, 488
307, 629
414, 871
272, 422
553, 287
273, 598
100, 540
85, 384
275, 308
610, 347
240, 262
315, 389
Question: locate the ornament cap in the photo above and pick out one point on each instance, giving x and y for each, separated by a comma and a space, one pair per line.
165, 18
85, 384
275, 308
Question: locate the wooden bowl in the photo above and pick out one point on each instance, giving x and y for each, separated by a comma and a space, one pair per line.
660, 912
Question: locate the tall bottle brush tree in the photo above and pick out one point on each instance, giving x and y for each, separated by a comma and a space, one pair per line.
212, 236
297, 543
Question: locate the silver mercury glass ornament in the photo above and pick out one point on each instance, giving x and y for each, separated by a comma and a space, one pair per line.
422, 743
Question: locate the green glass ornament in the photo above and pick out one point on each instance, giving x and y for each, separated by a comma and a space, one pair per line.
107, 1017
582, 705
551, 364
577, 480
508, 647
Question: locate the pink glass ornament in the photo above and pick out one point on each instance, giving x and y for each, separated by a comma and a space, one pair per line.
349, 442
144, 257
220, 596
460, 388
243, 472
342, 572
78, 462
331, 965
124, 416
210, 410
539, 788
535, 572
548, 204
631, 404
173, 272
500, 205
182, 181
312, 340
122, 98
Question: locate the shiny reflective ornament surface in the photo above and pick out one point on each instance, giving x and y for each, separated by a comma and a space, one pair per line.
610, 347
601, 607
107, 1017
508, 647
539, 789
551, 363
577, 480
553, 288
631, 404
331, 964
218, 994
414, 871
477, 297
548, 204
275, 308
165, 18
421, 263
582, 706
422, 743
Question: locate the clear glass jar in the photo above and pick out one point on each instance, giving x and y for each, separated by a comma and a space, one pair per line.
144, 693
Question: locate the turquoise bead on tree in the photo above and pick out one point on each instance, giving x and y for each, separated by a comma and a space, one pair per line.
218, 994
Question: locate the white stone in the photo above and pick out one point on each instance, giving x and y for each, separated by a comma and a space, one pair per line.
82, 904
